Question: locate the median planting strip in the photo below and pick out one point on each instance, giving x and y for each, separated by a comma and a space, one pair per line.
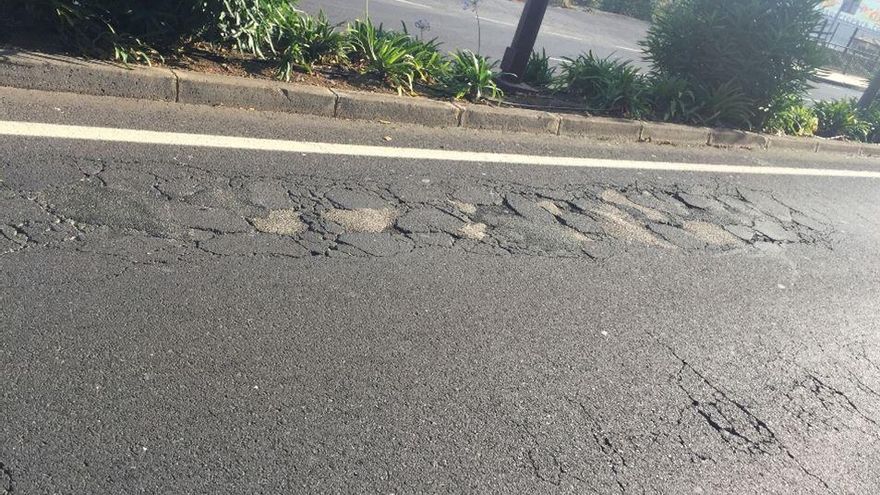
29, 70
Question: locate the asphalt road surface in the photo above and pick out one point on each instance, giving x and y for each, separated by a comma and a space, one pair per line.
191, 312
564, 33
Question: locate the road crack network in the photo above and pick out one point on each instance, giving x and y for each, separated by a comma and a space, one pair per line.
210, 214
736, 425
7, 482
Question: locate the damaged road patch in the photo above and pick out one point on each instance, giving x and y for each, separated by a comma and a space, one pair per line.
281, 222
305, 216
362, 219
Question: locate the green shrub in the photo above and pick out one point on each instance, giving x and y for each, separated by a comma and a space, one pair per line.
471, 76
429, 64
396, 57
872, 117
138, 30
383, 54
253, 25
765, 49
724, 105
128, 30
306, 41
841, 118
538, 72
791, 116
671, 99
608, 86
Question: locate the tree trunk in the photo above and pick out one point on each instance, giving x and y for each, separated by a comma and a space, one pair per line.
870, 94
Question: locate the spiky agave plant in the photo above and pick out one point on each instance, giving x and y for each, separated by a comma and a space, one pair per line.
305, 41
472, 76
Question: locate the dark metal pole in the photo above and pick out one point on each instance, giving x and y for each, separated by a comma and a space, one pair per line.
517, 54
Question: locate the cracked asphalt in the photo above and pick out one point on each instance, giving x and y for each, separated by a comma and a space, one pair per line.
179, 320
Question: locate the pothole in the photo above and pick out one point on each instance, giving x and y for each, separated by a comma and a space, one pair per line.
711, 234
364, 220
621, 225
281, 222
474, 231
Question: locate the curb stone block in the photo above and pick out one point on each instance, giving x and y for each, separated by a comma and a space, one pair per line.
871, 150
396, 109
831, 145
794, 144
509, 119
210, 89
729, 138
676, 134
66, 74
605, 129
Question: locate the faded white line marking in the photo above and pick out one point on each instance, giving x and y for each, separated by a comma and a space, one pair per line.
56, 131
566, 36
495, 21
414, 4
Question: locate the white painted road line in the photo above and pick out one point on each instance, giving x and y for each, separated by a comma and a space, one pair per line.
566, 36
56, 131
495, 21
414, 4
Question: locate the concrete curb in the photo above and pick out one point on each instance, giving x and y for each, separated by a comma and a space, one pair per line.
728, 138
662, 133
600, 128
208, 89
28, 70
789, 143
399, 110
508, 119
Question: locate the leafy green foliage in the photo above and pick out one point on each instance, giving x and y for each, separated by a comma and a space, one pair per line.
428, 62
128, 30
760, 50
841, 118
382, 53
398, 58
791, 116
672, 100
471, 76
253, 25
608, 86
138, 30
307, 41
538, 72
872, 117
724, 105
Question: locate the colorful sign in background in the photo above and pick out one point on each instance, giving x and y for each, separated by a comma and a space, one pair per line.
866, 12
832, 6
869, 11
